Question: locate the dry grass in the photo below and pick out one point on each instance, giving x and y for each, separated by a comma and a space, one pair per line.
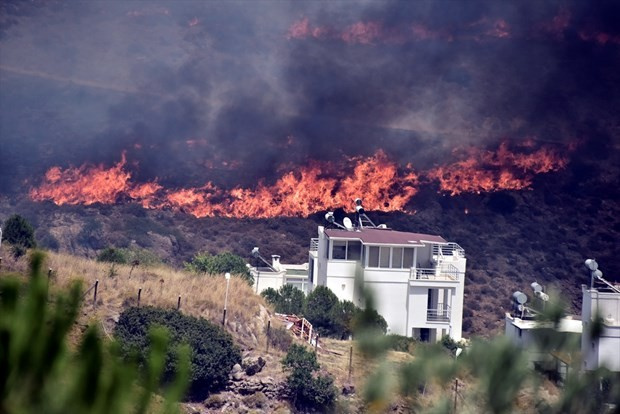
201, 296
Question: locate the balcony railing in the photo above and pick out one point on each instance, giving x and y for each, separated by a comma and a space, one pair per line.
441, 314
445, 271
314, 244
450, 249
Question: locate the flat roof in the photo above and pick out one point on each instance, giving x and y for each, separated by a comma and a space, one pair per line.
566, 324
385, 236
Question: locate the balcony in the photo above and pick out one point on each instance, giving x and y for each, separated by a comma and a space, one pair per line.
441, 314
445, 272
440, 251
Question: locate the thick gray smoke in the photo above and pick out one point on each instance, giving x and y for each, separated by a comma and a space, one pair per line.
231, 91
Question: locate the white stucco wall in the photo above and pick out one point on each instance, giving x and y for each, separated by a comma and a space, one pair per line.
264, 280
606, 349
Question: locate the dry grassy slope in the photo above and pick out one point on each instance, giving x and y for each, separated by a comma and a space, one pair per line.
201, 296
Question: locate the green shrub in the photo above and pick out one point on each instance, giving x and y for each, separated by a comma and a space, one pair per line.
288, 299
112, 255
338, 319
19, 234
220, 264
213, 352
308, 390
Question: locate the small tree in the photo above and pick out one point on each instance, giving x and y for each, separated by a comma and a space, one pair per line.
342, 316
18, 233
319, 309
308, 390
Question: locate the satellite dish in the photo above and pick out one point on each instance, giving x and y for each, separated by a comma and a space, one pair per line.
521, 308
597, 274
348, 224
536, 287
358, 201
329, 216
255, 252
519, 297
591, 264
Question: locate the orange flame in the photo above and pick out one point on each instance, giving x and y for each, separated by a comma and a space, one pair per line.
316, 187
485, 171
84, 185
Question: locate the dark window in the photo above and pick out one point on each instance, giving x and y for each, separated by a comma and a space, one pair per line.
397, 257
408, 258
373, 256
339, 250
354, 249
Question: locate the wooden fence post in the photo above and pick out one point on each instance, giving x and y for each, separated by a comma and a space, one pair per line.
268, 335
95, 295
350, 362
316, 344
139, 295
179, 303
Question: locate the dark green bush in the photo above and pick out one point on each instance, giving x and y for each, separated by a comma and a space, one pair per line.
213, 352
220, 264
319, 311
112, 255
288, 299
308, 390
17, 232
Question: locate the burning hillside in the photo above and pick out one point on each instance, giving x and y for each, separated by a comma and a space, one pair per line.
385, 185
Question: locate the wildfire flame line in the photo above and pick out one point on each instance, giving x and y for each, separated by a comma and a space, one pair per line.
316, 187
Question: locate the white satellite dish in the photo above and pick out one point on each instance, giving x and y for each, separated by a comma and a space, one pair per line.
348, 224
536, 287
597, 274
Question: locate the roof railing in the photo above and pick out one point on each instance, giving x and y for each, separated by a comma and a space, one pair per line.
314, 244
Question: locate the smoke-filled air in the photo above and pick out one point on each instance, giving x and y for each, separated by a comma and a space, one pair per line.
274, 108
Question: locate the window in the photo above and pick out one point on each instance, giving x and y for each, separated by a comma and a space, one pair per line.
339, 249
390, 257
384, 257
397, 257
346, 250
354, 250
373, 256
408, 258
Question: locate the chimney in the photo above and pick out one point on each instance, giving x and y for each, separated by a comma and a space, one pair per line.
275, 262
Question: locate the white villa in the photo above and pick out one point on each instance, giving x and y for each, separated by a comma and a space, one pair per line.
417, 279
604, 350
600, 300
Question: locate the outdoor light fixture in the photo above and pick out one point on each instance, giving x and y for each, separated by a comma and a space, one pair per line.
227, 276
